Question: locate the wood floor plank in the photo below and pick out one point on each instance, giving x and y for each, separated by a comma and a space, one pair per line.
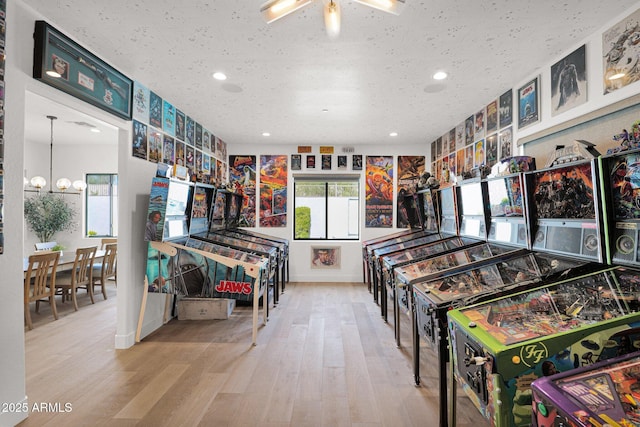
326, 358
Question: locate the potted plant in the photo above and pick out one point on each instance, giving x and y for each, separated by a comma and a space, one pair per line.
47, 214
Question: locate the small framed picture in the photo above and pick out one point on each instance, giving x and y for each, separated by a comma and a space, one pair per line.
311, 161
357, 162
296, 162
325, 257
342, 162
326, 162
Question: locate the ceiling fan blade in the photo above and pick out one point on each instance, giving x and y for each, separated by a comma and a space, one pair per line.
276, 9
390, 6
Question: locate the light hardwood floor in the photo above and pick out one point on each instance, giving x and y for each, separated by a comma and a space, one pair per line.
325, 358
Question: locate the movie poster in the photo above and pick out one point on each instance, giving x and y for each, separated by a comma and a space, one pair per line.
155, 110
273, 191
379, 192
139, 143
168, 151
180, 125
155, 146
528, 104
168, 118
620, 52
505, 112
491, 119
478, 129
491, 150
242, 176
140, 102
505, 142
569, 81
190, 132
409, 170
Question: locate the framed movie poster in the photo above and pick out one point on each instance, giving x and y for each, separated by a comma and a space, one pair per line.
311, 161
60, 62
326, 162
529, 103
505, 112
356, 164
296, 162
569, 81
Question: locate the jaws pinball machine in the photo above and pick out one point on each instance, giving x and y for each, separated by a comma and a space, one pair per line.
501, 346
488, 278
606, 392
191, 268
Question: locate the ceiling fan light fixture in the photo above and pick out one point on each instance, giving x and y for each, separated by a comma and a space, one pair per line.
276, 9
390, 6
332, 19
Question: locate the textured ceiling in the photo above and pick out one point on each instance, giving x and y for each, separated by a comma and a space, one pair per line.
373, 79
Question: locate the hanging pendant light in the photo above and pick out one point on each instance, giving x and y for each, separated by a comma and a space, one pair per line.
62, 184
332, 19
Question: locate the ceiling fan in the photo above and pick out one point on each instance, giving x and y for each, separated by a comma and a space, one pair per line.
273, 10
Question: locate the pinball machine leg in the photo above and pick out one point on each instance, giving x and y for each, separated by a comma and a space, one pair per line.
415, 341
442, 377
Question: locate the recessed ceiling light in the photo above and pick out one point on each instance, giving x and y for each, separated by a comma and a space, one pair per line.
95, 130
393, 134
325, 110
219, 76
440, 75
266, 134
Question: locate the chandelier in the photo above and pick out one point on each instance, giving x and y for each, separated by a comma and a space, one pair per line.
273, 10
62, 184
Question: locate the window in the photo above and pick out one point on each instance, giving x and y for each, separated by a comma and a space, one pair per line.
102, 205
326, 209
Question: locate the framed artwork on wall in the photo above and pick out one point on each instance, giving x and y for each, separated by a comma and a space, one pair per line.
356, 164
325, 257
505, 111
529, 103
296, 162
326, 162
311, 161
60, 62
569, 81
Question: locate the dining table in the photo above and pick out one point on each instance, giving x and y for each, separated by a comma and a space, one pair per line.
67, 258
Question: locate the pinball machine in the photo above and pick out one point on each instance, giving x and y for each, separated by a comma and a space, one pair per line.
499, 347
185, 267
606, 393
422, 228
611, 384
387, 258
472, 199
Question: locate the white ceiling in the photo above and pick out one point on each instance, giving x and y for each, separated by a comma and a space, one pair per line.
374, 79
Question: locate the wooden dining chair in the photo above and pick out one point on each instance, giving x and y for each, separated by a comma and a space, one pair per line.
39, 283
107, 241
45, 246
79, 277
106, 269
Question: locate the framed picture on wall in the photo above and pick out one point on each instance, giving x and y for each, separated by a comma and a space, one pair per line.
529, 103
311, 161
357, 162
505, 109
60, 62
296, 162
326, 162
325, 257
569, 81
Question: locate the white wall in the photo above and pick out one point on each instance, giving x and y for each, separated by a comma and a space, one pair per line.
73, 161
300, 251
